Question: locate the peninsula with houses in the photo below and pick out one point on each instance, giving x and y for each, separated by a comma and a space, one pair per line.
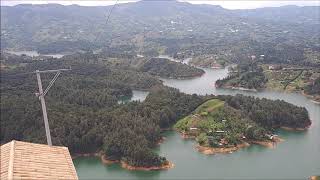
225, 124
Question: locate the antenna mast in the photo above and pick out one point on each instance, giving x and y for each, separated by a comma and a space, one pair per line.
41, 95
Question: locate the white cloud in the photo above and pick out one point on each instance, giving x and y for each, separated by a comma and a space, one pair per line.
66, 2
226, 4
256, 4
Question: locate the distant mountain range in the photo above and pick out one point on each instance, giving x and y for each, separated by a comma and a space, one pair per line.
168, 25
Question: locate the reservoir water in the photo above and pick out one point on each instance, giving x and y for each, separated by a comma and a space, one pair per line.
137, 95
298, 157
34, 53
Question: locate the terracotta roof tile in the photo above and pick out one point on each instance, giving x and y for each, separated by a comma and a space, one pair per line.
23, 160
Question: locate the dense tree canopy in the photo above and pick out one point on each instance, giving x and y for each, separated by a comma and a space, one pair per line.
83, 110
313, 88
247, 75
226, 121
270, 113
166, 68
84, 114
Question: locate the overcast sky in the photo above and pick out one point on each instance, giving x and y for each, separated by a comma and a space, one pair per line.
225, 4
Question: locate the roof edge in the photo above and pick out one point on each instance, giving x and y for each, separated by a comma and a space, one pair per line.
11, 158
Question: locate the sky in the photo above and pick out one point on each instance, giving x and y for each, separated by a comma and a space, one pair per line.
226, 4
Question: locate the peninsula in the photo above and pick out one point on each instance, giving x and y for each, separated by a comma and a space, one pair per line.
226, 123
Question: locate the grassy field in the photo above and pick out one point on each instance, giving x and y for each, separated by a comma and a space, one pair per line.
200, 114
209, 106
282, 80
214, 125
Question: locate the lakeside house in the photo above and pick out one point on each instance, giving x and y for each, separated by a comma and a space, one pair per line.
220, 131
271, 136
275, 67
261, 57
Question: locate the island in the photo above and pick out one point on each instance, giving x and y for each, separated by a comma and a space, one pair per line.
227, 123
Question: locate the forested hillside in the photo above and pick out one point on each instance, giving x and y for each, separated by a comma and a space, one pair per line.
313, 89
270, 114
246, 75
286, 34
85, 116
83, 111
111, 59
169, 69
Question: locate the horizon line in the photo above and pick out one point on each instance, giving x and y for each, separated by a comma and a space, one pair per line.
228, 4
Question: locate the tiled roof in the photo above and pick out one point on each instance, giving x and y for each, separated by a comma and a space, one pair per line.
23, 160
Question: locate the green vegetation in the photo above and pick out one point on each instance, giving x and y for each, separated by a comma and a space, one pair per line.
209, 106
169, 69
304, 80
289, 80
313, 89
84, 114
231, 120
247, 75
211, 61
82, 105
174, 28
260, 76
270, 113
83, 111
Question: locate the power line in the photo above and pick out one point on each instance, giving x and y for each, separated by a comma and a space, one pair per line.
15, 75
107, 19
111, 11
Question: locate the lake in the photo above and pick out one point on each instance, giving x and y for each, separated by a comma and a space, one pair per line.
34, 53
137, 95
298, 157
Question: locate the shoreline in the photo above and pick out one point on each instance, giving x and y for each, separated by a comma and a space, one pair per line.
187, 136
106, 161
77, 155
312, 98
186, 77
237, 88
224, 150
269, 144
161, 140
166, 166
123, 164
181, 77
295, 129
207, 67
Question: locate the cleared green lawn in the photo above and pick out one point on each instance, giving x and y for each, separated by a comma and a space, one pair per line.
209, 106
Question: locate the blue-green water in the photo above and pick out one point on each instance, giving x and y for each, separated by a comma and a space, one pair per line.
136, 96
298, 157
